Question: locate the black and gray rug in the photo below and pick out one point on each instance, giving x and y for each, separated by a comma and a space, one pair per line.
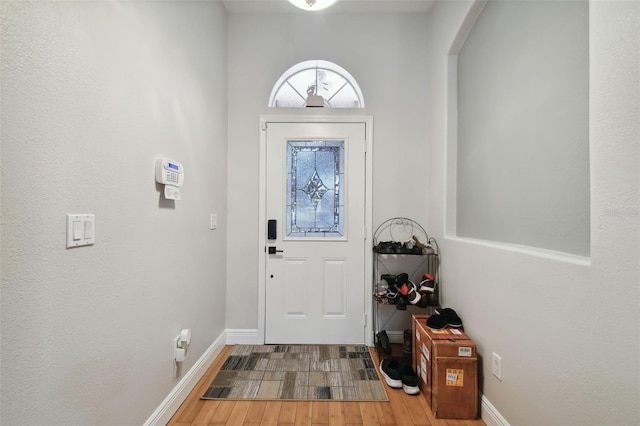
298, 372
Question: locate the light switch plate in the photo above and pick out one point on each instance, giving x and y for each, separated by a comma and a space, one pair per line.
84, 235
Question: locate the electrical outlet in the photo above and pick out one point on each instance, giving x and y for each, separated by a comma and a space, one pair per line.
179, 350
497, 366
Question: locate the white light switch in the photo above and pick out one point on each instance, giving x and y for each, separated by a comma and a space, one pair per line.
88, 228
77, 230
80, 230
213, 221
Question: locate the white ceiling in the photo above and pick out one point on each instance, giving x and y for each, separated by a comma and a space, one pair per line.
342, 6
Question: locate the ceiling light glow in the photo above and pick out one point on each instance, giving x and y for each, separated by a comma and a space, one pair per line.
312, 5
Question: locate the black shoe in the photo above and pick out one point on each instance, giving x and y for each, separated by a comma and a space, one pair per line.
407, 344
387, 247
392, 295
402, 278
388, 284
409, 380
453, 320
412, 294
446, 317
383, 339
392, 372
390, 279
402, 303
423, 302
427, 288
427, 285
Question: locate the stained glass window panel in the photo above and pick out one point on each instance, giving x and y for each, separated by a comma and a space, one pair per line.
315, 186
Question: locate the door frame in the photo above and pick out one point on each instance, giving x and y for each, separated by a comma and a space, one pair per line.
262, 209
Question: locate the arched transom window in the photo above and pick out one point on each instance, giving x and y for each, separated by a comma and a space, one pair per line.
308, 80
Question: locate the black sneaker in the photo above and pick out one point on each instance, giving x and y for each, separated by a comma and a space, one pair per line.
453, 320
436, 322
412, 294
383, 339
427, 285
390, 279
392, 372
407, 343
423, 302
402, 278
446, 317
392, 295
409, 380
401, 305
388, 287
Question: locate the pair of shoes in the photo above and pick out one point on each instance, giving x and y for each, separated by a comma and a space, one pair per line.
400, 375
399, 290
395, 280
383, 339
388, 247
446, 317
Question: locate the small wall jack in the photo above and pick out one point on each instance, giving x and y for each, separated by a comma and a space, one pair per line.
181, 346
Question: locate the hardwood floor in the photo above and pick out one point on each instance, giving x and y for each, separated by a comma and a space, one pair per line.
402, 409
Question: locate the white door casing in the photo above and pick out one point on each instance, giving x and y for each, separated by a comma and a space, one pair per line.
317, 290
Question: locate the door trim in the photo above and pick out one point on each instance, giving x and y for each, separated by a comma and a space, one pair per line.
368, 219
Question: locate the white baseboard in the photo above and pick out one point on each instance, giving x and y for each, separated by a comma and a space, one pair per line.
242, 337
490, 415
176, 397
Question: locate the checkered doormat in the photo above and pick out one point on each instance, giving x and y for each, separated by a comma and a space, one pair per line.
298, 372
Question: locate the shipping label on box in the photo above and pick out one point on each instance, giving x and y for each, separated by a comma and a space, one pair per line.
465, 351
455, 377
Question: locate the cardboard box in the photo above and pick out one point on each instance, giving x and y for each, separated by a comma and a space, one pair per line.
447, 367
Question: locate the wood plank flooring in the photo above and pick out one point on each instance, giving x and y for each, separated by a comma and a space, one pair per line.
401, 409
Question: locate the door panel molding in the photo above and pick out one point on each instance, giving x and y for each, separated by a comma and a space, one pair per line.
368, 220
296, 305
334, 302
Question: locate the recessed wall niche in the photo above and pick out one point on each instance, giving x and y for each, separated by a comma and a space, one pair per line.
522, 156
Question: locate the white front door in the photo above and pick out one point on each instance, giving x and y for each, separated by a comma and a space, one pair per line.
315, 261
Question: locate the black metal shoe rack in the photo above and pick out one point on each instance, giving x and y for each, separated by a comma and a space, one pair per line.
401, 245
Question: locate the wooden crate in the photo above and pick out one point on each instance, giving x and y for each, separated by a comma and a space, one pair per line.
447, 367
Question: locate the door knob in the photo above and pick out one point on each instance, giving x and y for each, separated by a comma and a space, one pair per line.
274, 250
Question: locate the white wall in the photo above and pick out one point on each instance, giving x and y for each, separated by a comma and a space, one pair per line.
523, 126
385, 54
92, 93
568, 330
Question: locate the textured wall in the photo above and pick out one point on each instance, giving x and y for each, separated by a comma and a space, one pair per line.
92, 93
389, 66
568, 329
